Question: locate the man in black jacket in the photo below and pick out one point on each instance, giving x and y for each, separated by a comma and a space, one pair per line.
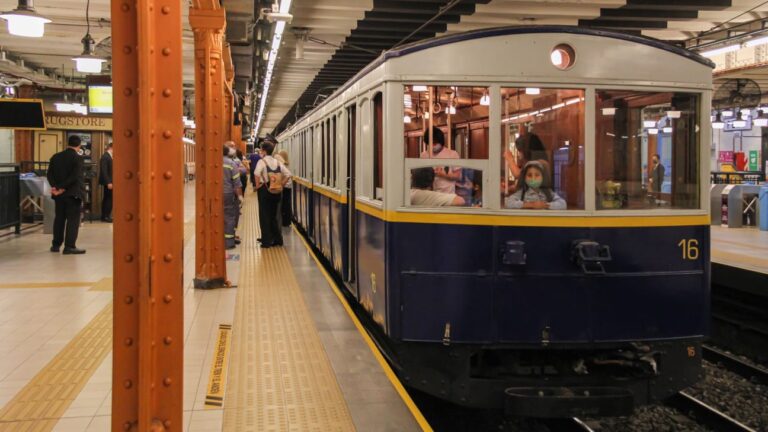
105, 180
65, 175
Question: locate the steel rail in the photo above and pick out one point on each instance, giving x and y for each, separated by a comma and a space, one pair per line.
705, 414
736, 365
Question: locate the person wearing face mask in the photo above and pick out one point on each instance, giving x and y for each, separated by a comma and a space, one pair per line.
536, 190
232, 193
657, 174
105, 180
445, 176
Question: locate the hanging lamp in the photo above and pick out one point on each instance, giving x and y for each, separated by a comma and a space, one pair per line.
25, 21
88, 62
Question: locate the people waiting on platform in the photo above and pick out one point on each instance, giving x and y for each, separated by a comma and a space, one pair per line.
285, 205
535, 190
231, 195
271, 178
422, 195
244, 164
65, 175
105, 180
254, 159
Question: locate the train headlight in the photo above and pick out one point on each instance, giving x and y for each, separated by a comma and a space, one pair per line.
563, 56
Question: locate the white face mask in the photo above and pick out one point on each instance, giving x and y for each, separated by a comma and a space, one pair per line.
232, 152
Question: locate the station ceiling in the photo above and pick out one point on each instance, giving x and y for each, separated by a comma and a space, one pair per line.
367, 27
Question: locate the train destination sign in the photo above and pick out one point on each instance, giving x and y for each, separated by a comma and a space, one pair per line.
78, 122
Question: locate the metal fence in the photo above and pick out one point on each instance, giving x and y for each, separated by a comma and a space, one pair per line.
10, 190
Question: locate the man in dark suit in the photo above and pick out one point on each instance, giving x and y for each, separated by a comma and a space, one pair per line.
105, 180
657, 174
65, 175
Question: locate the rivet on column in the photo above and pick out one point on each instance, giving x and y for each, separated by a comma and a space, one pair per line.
128, 299
167, 134
167, 340
166, 51
128, 384
168, 216
166, 10
125, 7
167, 92
168, 175
167, 382
128, 175
168, 257
127, 50
129, 258
127, 92
167, 298
127, 425
128, 217
128, 341
167, 424
128, 133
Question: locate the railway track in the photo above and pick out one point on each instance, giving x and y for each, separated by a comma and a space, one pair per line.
573, 424
752, 373
705, 414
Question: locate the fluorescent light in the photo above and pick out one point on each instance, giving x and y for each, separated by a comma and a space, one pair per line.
649, 123
573, 101
746, 112
406, 118
609, 111
532, 90
543, 110
667, 129
673, 114
485, 100
739, 123
718, 51
285, 6
558, 106
450, 110
760, 121
426, 115
727, 113
757, 41
407, 101
653, 131
419, 88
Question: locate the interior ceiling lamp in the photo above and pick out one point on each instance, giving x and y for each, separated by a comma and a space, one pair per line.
88, 62
718, 51
649, 123
727, 113
609, 111
668, 127
406, 118
673, 114
485, 100
24, 21
451, 109
756, 41
419, 88
718, 123
739, 122
532, 90
285, 6
653, 131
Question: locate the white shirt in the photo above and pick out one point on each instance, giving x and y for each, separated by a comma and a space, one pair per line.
442, 184
428, 198
261, 168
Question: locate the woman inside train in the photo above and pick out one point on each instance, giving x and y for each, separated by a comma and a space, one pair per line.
422, 195
535, 192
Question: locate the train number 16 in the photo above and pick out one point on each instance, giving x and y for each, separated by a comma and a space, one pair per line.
690, 248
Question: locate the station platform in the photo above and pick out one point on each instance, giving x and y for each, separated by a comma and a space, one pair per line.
294, 358
742, 248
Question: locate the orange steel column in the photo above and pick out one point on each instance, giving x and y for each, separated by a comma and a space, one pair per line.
229, 98
147, 393
208, 21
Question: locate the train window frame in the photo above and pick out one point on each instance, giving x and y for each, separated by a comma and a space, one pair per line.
701, 126
473, 164
378, 129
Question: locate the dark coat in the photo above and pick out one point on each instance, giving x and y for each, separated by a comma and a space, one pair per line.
105, 169
65, 171
657, 174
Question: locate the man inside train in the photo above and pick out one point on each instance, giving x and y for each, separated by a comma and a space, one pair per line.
423, 195
445, 177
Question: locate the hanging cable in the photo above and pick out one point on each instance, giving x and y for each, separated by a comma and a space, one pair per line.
448, 6
322, 42
713, 29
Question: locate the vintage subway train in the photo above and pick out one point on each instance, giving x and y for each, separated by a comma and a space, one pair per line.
589, 307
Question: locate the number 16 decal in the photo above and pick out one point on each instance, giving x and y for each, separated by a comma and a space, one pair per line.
690, 249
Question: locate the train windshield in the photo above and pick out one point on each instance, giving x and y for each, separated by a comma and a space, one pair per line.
542, 136
647, 148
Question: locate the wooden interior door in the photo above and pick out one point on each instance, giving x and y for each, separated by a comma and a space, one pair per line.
48, 144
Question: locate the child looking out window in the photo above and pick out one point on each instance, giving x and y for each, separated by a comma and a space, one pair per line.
535, 191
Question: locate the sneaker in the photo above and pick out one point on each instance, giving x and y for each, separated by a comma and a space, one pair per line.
73, 251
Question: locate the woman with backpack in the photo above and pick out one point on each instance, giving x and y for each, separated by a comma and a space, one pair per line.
271, 178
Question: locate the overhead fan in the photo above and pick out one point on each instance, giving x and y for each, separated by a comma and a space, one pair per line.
737, 93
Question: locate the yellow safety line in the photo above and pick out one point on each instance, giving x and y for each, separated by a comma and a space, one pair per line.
105, 284
40, 404
367, 338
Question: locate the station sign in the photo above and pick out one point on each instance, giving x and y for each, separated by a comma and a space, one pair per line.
78, 122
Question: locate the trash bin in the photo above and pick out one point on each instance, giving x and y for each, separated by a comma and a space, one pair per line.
762, 210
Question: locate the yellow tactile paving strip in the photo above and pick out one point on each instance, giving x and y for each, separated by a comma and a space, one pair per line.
47, 285
280, 378
40, 404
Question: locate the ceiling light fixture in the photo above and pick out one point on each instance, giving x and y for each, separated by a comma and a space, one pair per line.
757, 41
718, 123
485, 100
673, 114
653, 131
285, 6
532, 90
609, 111
739, 122
406, 118
88, 62
451, 109
419, 88
24, 21
649, 123
727, 113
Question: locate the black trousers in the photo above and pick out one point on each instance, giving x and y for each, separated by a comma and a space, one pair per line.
285, 207
106, 203
270, 228
67, 217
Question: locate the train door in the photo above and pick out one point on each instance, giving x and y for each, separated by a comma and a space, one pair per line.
351, 274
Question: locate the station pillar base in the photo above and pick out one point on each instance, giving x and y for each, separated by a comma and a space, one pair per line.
209, 283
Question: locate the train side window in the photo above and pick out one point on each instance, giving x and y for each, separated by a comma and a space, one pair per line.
647, 150
425, 192
462, 111
323, 154
542, 137
378, 147
328, 154
334, 152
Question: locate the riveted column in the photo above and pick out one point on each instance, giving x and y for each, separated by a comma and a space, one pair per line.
208, 21
147, 394
229, 97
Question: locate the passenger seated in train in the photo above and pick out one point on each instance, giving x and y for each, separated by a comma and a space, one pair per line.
535, 191
445, 177
422, 195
